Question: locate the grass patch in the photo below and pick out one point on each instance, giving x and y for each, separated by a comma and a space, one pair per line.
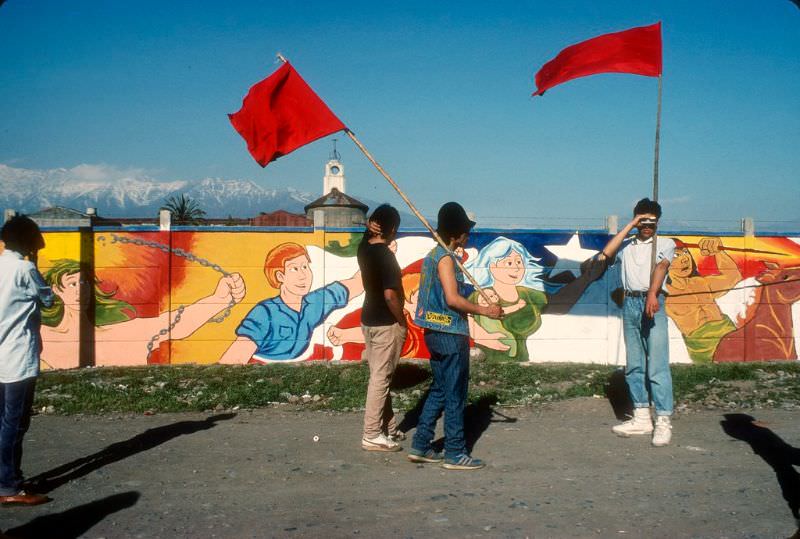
343, 387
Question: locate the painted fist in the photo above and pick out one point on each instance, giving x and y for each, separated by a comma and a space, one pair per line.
230, 288
710, 246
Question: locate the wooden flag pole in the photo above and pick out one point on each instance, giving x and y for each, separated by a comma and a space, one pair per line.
417, 213
436, 236
655, 175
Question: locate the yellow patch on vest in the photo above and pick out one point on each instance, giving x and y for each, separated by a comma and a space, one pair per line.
438, 318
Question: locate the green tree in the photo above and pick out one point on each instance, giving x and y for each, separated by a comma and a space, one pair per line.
184, 210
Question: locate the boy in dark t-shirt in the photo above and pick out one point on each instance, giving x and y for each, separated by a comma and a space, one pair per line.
384, 327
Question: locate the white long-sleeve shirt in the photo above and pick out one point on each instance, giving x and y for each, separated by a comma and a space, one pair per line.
22, 293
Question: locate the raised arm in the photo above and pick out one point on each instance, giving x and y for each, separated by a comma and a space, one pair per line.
613, 245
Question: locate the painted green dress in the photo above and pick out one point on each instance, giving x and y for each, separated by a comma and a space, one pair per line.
517, 326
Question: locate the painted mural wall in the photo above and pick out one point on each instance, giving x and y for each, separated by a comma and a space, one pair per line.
249, 296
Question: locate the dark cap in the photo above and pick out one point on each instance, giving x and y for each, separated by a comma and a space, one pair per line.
453, 219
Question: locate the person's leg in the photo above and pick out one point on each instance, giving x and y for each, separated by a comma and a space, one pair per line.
456, 384
660, 377
380, 342
434, 403
635, 353
17, 399
389, 420
25, 423
635, 369
658, 371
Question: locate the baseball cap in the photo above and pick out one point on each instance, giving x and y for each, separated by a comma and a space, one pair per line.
453, 219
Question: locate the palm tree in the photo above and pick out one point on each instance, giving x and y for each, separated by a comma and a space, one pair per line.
184, 210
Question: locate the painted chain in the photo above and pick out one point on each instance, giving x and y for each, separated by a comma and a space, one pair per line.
183, 254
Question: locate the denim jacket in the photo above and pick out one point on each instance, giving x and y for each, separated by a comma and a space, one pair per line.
432, 309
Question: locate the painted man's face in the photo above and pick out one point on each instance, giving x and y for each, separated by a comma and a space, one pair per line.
70, 291
297, 275
508, 270
682, 264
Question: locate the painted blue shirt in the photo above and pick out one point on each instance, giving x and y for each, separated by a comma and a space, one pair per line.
22, 292
282, 333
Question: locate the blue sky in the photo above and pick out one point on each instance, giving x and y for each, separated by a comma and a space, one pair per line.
438, 91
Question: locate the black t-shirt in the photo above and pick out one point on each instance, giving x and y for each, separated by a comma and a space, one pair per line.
379, 272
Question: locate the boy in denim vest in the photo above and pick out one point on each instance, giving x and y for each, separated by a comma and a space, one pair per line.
442, 311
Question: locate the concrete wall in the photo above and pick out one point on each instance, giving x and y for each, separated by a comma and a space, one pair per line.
202, 296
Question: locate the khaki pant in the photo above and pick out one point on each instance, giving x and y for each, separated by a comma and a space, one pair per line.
384, 344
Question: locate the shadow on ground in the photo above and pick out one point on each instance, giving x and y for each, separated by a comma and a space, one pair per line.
775, 452
74, 522
52, 479
618, 395
406, 376
477, 418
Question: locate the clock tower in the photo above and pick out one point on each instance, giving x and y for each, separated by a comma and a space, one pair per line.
334, 173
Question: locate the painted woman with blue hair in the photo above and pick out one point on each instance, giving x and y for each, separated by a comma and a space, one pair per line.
512, 277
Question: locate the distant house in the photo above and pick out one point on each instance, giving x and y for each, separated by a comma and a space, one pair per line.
281, 218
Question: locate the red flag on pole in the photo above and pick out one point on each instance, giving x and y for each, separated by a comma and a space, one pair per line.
636, 51
280, 114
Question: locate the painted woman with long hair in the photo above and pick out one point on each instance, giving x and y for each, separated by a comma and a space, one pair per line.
118, 332
513, 277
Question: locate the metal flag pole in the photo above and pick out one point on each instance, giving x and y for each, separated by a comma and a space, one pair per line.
417, 213
655, 175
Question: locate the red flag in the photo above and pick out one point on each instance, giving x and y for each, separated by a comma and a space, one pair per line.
280, 114
636, 51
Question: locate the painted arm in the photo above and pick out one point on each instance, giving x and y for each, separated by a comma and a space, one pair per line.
656, 281
729, 273
354, 285
230, 288
447, 275
239, 352
340, 336
486, 338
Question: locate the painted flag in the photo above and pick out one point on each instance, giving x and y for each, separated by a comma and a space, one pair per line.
636, 51
280, 114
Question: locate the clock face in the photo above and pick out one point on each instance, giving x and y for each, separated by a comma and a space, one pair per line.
334, 169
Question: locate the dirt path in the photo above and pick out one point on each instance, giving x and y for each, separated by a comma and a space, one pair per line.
555, 472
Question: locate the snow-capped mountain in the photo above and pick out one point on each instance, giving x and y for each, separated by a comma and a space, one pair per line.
133, 193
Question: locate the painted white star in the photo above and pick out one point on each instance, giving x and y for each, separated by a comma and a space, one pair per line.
569, 256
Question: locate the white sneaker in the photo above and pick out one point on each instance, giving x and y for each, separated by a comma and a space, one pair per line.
379, 443
663, 433
639, 424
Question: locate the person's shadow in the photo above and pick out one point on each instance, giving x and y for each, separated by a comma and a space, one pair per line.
616, 389
74, 522
52, 479
477, 418
775, 452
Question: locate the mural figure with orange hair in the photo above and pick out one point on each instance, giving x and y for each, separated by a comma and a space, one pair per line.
347, 333
280, 328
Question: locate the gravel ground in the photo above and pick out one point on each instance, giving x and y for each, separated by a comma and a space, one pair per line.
555, 471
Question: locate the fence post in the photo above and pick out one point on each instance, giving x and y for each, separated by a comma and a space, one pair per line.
319, 219
612, 224
748, 227
164, 220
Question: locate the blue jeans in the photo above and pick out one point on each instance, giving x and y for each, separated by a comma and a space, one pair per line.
448, 392
647, 355
16, 400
